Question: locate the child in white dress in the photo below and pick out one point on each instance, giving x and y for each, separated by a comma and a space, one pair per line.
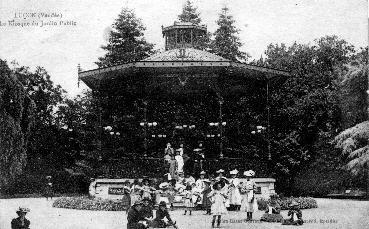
188, 199
218, 199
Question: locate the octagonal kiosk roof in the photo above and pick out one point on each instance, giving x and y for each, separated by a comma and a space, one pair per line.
183, 55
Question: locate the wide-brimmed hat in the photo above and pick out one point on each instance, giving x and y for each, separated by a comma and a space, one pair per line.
206, 180
137, 202
202, 173
162, 204
293, 203
220, 171
22, 210
126, 182
145, 179
146, 199
249, 173
222, 184
233, 172
164, 185
274, 195
48, 177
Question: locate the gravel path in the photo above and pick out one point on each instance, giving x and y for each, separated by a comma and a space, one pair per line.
343, 214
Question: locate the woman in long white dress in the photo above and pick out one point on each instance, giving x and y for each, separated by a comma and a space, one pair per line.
234, 192
248, 190
180, 162
225, 181
136, 191
218, 200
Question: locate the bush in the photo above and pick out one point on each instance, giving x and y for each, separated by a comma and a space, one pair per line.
304, 203
35, 184
86, 203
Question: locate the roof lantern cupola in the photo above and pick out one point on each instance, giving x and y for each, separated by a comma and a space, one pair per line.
184, 35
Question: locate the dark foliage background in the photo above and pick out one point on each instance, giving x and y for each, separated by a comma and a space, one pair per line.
44, 132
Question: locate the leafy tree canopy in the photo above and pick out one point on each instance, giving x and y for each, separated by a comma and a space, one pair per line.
16, 119
226, 42
189, 14
126, 41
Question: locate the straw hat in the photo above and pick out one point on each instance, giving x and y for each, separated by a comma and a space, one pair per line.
145, 180
202, 173
220, 171
146, 199
249, 173
164, 185
233, 172
293, 203
22, 210
137, 202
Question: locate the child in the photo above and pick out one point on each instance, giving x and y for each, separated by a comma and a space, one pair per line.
295, 215
272, 214
218, 199
126, 199
206, 203
162, 213
234, 192
171, 192
188, 199
147, 189
147, 208
49, 188
248, 189
136, 190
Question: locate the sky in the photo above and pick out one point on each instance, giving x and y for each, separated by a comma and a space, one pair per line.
81, 27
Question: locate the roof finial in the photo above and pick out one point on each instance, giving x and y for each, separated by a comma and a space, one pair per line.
79, 70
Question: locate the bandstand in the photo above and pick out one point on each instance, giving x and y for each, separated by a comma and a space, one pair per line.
142, 94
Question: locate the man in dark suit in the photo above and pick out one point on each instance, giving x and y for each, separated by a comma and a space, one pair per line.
134, 217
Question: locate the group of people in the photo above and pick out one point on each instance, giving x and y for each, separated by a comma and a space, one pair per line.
216, 196
180, 161
140, 215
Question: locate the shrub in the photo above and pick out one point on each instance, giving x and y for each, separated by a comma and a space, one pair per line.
304, 202
86, 203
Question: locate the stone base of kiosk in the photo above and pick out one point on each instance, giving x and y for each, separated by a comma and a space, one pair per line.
113, 188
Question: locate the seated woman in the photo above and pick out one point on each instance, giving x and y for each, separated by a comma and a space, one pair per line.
295, 215
147, 208
21, 222
272, 214
134, 217
162, 213
136, 190
147, 189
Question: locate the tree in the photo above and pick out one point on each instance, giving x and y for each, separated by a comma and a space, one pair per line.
189, 14
354, 144
353, 141
16, 120
226, 42
305, 110
44, 139
126, 42
353, 85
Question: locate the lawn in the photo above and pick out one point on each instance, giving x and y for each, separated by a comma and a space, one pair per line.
330, 214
